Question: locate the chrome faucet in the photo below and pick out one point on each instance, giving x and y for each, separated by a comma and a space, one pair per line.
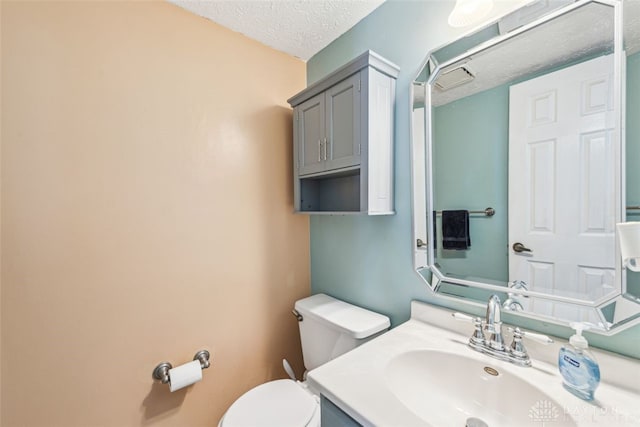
493, 325
487, 337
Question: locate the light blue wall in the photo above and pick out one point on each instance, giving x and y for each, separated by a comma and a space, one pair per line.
472, 137
633, 151
368, 260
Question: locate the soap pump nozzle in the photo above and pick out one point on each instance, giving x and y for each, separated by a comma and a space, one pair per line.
577, 340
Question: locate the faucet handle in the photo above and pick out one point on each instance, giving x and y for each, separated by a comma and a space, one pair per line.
517, 348
463, 317
477, 321
541, 338
477, 339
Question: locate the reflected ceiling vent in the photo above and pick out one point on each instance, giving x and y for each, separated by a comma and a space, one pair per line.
452, 78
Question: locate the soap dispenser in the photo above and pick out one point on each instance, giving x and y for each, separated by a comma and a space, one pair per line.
579, 369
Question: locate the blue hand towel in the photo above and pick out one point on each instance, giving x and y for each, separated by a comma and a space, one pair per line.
455, 230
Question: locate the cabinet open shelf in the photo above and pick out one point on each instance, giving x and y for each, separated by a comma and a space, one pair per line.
336, 193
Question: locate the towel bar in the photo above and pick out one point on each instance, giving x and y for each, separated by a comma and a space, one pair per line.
486, 212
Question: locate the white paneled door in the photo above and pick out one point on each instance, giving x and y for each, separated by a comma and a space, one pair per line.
562, 183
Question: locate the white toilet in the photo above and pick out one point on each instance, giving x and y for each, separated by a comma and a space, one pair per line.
328, 328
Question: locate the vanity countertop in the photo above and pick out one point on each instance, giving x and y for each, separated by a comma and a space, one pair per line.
357, 382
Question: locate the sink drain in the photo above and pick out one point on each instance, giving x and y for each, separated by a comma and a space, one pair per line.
475, 422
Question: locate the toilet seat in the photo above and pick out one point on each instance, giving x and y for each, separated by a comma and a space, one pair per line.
279, 403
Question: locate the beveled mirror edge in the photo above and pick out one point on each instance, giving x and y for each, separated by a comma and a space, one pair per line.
421, 167
512, 316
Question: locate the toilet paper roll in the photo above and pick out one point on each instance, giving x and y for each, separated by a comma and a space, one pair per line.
629, 236
184, 375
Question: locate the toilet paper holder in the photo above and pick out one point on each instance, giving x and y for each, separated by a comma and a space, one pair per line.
161, 372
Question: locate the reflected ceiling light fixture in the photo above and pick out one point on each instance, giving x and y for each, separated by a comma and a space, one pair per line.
467, 12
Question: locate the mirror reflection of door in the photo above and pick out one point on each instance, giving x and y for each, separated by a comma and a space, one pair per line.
562, 184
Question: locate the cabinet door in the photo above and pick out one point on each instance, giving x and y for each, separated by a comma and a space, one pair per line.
332, 416
310, 116
343, 124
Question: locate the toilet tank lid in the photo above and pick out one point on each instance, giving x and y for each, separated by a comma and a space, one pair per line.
356, 321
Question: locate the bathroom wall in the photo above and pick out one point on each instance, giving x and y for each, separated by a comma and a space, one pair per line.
632, 154
146, 213
482, 166
368, 260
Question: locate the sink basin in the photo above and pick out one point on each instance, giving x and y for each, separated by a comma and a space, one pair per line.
454, 390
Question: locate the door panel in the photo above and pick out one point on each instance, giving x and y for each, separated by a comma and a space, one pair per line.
311, 133
562, 182
343, 124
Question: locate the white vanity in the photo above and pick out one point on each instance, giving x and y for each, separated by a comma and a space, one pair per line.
423, 373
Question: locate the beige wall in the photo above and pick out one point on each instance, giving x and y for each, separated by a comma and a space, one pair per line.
146, 213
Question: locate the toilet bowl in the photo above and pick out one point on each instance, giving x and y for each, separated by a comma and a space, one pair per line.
328, 328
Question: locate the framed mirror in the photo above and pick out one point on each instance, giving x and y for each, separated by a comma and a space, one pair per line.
523, 163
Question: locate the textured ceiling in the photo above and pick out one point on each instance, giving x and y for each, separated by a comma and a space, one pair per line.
300, 28
585, 32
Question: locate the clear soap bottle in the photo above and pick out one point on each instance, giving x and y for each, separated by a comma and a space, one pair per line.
579, 369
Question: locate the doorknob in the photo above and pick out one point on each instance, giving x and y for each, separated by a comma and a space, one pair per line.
519, 247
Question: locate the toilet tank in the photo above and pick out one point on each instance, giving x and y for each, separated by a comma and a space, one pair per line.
330, 327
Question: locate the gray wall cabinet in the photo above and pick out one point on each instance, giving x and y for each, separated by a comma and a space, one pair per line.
343, 140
